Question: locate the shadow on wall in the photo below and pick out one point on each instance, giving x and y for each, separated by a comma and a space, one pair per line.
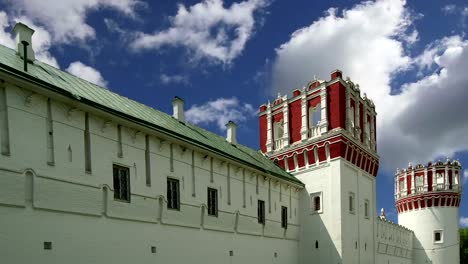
316, 243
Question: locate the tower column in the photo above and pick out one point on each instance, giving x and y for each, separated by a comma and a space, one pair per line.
357, 124
425, 179
446, 178
413, 187
348, 109
304, 128
285, 123
269, 139
434, 179
323, 114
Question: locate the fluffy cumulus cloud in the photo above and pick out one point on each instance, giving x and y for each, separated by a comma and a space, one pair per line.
208, 29
41, 38
67, 19
464, 221
417, 121
87, 73
220, 111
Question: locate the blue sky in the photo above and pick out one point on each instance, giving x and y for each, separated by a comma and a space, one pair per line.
227, 58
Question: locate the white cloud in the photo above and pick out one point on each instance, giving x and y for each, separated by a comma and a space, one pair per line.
449, 9
66, 20
465, 176
174, 79
463, 221
207, 29
220, 111
87, 73
41, 38
422, 120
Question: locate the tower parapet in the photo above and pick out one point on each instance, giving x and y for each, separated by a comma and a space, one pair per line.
320, 122
427, 201
431, 185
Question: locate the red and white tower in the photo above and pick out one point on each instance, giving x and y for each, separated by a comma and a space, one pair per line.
325, 135
427, 201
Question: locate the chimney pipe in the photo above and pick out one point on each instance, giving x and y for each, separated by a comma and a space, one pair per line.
231, 132
178, 109
25, 52
24, 34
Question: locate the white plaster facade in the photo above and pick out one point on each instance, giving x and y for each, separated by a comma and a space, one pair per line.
57, 200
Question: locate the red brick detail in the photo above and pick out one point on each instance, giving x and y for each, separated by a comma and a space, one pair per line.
300, 160
296, 92
310, 156
291, 163
295, 121
313, 102
263, 108
281, 163
321, 154
336, 74
263, 132
429, 180
336, 102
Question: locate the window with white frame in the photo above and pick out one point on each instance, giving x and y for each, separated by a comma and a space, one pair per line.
440, 181
366, 208
314, 115
121, 183
438, 236
419, 183
278, 132
455, 179
316, 203
261, 212
351, 117
351, 201
173, 194
212, 202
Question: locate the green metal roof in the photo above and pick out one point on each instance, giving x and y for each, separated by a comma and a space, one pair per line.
104, 99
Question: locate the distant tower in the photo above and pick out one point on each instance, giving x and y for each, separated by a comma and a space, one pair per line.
325, 135
427, 201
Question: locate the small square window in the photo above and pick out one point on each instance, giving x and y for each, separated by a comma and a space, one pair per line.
438, 236
47, 245
173, 195
121, 183
212, 202
153, 249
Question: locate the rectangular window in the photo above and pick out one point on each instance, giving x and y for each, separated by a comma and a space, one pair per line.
173, 195
316, 202
212, 202
121, 183
261, 212
438, 236
366, 209
351, 202
284, 217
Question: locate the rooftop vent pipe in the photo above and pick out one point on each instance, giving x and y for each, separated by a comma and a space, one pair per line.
24, 35
178, 109
231, 132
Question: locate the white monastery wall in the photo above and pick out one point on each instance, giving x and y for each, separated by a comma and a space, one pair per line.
51, 198
356, 226
394, 243
437, 218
